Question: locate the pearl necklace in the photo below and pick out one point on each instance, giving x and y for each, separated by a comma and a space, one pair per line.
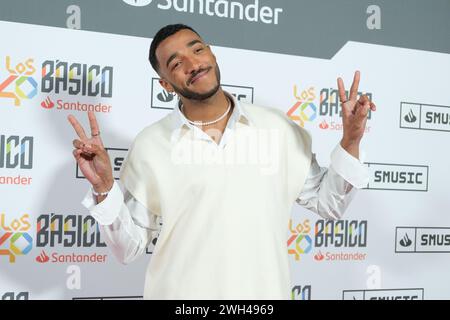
209, 122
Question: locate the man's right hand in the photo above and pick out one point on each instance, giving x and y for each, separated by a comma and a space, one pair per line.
91, 155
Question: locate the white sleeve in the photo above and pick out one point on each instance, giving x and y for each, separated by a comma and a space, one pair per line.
126, 225
328, 192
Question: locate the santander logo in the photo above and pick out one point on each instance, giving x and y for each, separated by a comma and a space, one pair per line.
47, 103
43, 257
319, 256
138, 3
323, 125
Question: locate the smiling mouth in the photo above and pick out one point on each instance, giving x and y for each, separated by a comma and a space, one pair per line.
199, 75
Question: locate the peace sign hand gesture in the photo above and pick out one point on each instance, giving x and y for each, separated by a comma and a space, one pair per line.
354, 115
91, 155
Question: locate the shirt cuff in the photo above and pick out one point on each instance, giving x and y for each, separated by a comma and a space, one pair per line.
108, 210
353, 170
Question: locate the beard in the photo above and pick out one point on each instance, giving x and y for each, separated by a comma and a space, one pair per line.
192, 95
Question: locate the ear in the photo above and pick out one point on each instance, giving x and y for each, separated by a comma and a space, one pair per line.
167, 86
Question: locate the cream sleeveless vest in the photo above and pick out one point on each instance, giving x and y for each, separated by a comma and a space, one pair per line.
225, 212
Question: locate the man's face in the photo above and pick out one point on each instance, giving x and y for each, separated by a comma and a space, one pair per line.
187, 66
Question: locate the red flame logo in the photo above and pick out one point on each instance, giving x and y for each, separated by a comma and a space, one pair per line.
319, 256
43, 257
323, 125
47, 103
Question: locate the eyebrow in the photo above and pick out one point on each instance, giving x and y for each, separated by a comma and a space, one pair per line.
173, 56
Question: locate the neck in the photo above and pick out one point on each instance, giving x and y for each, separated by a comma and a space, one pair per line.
206, 110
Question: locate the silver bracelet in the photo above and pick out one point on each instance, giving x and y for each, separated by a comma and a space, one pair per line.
100, 193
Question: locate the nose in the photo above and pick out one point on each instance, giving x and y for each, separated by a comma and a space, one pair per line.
192, 64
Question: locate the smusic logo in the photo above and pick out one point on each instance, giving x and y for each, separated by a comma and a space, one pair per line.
402, 177
384, 294
422, 240
161, 99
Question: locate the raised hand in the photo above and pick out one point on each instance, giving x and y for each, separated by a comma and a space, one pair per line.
91, 155
354, 115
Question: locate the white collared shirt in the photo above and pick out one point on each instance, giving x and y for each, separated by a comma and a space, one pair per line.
237, 115
128, 227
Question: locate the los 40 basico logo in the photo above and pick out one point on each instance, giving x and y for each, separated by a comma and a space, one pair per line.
325, 107
52, 231
60, 232
328, 240
15, 237
19, 82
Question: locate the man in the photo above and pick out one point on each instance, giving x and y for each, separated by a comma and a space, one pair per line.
222, 175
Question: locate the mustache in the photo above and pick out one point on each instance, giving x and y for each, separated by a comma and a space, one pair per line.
196, 73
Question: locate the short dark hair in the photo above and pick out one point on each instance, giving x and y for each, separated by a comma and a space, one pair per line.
160, 36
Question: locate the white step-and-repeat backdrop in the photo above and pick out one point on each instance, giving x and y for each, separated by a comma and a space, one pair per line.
393, 242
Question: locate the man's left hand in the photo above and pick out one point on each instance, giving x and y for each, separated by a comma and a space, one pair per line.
354, 115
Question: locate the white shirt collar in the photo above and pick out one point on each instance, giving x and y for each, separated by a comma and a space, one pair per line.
182, 125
